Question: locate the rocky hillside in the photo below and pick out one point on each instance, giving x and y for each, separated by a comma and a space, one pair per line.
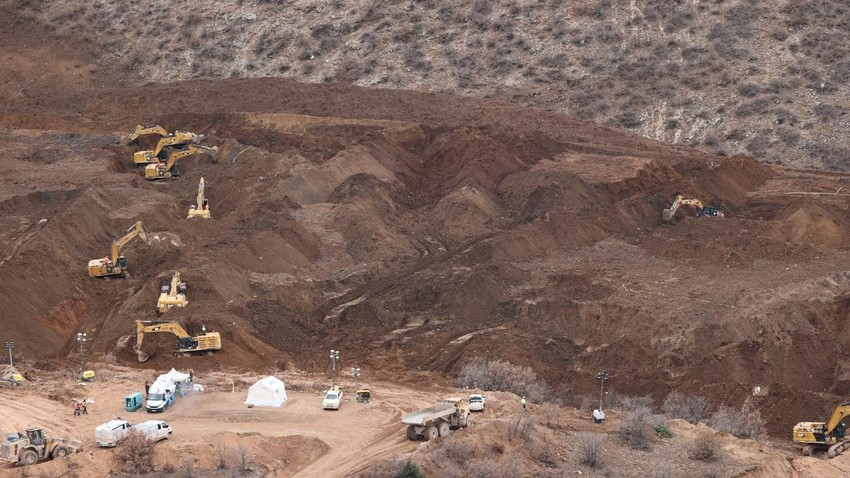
767, 79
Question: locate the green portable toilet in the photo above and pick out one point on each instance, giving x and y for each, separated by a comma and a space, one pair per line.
133, 401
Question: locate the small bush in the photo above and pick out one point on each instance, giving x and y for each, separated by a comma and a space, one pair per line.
457, 448
704, 447
744, 423
411, 470
244, 459
137, 453
490, 468
590, 448
520, 426
663, 431
635, 431
503, 376
391, 468
692, 408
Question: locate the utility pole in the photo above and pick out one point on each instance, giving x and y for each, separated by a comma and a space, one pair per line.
10, 344
334, 359
602, 376
81, 338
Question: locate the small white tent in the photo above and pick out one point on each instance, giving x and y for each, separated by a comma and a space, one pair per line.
267, 392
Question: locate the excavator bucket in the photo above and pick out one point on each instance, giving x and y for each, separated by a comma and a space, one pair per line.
667, 215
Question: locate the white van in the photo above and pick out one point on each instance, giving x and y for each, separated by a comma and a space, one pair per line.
111, 433
154, 430
160, 396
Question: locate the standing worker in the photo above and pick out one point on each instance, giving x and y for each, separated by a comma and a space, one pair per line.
523, 402
203, 329
76, 408
147, 388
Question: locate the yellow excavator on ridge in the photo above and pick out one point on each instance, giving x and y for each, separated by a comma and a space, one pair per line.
116, 264
201, 208
186, 344
702, 210
829, 435
172, 295
168, 169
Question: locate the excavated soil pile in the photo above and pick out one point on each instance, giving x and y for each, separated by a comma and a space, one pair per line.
417, 232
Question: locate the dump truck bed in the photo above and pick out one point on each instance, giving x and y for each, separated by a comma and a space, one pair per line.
422, 417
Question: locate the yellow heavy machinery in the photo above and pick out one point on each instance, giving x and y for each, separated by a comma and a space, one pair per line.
201, 208
702, 210
145, 130
172, 295
176, 140
33, 446
168, 169
830, 435
186, 344
116, 264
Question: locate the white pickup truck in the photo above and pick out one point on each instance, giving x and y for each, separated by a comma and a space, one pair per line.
333, 397
476, 402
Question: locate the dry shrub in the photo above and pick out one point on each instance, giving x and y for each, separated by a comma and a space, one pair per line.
137, 453
705, 447
590, 448
390, 468
520, 426
543, 451
244, 459
636, 431
221, 453
503, 376
551, 413
692, 408
744, 423
490, 468
457, 448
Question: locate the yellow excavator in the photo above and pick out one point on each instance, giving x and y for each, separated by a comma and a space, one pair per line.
186, 344
169, 141
173, 295
702, 210
116, 264
201, 208
828, 435
168, 169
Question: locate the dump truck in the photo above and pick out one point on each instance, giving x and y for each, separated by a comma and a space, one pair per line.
437, 420
33, 446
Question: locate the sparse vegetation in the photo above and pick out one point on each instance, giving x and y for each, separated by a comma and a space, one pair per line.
636, 431
745, 422
705, 447
590, 448
691, 408
498, 375
137, 454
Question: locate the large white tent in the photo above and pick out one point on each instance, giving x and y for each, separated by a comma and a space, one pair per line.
267, 392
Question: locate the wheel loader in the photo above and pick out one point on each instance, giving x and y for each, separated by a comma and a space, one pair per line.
116, 264
172, 295
32, 446
702, 210
186, 344
168, 169
820, 435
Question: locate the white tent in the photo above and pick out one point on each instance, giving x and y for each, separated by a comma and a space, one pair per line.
267, 392
175, 376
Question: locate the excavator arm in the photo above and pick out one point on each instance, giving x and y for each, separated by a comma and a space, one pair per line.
152, 326
200, 208
841, 412
137, 229
166, 169
140, 130
702, 210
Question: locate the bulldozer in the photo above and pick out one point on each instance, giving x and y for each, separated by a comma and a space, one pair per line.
702, 210
186, 344
172, 295
820, 435
168, 169
32, 446
201, 208
116, 264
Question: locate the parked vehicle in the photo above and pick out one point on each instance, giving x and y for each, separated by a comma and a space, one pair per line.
33, 446
160, 396
476, 402
364, 395
154, 430
437, 420
111, 433
333, 397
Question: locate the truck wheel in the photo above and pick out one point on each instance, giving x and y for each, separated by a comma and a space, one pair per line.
431, 432
60, 451
444, 429
411, 433
28, 457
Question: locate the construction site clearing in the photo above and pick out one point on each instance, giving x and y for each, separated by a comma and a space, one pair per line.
413, 236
